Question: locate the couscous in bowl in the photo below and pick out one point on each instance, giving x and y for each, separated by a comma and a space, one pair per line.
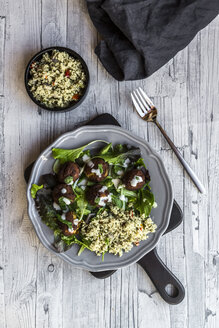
57, 79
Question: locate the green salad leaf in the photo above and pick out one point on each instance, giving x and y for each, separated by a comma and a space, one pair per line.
108, 183
129, 193
120, 148
118, 158
140, 162
145, 202
82, 204
62, 204
48, 213
51, 218
100, 167
34, 189
68, 223
69, 179
66, 155
118, 168
70, 240
82, 248
56, 166
116, 201
105, 149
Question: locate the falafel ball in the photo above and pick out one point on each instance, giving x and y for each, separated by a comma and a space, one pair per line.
68, 169
96, 169
71, 217
134, 179
97, 191
63, 190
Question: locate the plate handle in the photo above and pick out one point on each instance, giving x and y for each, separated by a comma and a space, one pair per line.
169, 287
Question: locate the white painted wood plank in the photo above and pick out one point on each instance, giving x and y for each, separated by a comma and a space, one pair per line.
2, 52
210, 87
19, 238
54, 16
49, 303
2, 188
2, 183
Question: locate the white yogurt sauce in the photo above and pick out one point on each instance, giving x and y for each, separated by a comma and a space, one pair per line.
85, 158
90, 164
123, 198
103, 200
109, 198
97, 172
63, 217
120, 172
136, 180
76, 222
116, 182
127, 162
63, 191
66, 201
83, 182
56, 206
104, 188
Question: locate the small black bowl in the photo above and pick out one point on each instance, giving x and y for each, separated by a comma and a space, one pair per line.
73, 54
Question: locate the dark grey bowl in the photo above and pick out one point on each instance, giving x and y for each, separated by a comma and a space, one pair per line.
72, 105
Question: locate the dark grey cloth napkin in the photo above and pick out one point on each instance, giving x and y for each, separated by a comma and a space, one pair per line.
140, 36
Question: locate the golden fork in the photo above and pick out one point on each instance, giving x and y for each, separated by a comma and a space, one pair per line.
148, 112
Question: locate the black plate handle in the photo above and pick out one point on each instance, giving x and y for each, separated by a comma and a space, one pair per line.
162, 278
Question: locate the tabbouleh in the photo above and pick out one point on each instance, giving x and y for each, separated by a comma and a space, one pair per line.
116, 230
57, 79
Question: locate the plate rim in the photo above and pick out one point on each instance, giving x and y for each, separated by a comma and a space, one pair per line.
83, 263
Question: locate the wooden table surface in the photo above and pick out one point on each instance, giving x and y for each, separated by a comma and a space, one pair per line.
37, 289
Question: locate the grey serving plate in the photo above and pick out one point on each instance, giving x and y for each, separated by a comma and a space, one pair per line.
160, 185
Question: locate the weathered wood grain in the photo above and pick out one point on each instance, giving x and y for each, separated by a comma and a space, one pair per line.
39, 290
2, 287
2, 169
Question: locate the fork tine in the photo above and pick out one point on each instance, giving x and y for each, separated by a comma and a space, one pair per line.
146, 97
143, 100
138, 100
137, 107
142, 106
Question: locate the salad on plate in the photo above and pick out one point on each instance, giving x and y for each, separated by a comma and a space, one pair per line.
99, 199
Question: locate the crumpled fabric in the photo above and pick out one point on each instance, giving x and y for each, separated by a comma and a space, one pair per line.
140, 36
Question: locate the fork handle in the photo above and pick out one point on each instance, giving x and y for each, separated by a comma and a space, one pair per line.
186, 166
